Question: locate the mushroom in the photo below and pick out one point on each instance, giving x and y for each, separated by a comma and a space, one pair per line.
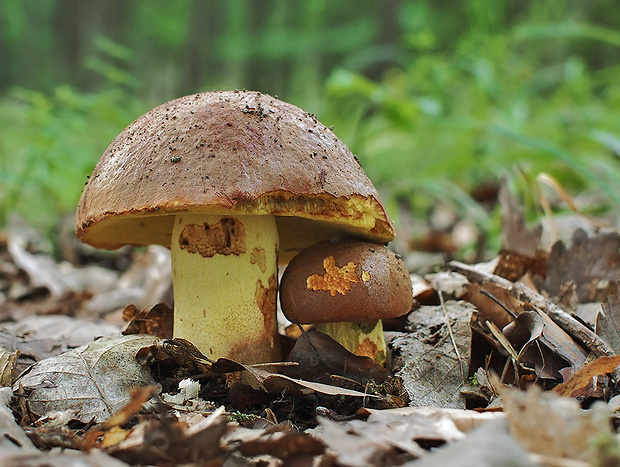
228, 180
346, 288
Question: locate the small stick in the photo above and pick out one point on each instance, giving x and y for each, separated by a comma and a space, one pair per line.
456, 349
504, 307
570, 325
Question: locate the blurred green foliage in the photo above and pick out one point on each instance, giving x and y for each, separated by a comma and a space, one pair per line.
435, 97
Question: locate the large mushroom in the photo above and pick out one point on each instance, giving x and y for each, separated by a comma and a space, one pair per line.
227, 181
346, 287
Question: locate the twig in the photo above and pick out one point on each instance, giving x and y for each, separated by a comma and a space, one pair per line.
504, 307
505, 343
570, 325
456, 349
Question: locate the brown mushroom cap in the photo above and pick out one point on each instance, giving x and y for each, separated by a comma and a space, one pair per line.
218, 152
347, 280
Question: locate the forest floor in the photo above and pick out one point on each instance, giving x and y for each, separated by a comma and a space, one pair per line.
512, 361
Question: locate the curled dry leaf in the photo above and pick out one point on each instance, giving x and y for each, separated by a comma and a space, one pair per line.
92, 381
544, 345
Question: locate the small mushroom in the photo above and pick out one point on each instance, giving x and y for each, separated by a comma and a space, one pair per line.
345, 288
228, 181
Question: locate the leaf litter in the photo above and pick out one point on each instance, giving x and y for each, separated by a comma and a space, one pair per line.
505, 338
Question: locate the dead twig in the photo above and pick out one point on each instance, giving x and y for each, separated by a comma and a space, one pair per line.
586, 337
456, 349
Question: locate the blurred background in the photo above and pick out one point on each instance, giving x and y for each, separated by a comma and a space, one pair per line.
439, 99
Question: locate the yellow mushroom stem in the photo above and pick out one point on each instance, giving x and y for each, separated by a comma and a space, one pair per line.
364, 338
225, 278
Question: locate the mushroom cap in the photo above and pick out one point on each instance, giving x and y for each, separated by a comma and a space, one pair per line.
346, 280
229, 152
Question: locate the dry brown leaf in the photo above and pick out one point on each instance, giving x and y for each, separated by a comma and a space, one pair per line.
185, 354
282, 442
278, 384
513, 265
155, 320
7, 365
318, 356
12, 436
608, 322
492, 302
92, 381
577, 384
591, 262
516, 237
164, 441
138, 396
543, 345
432, 368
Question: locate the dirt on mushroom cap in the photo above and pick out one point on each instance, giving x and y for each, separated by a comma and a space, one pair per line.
220, 151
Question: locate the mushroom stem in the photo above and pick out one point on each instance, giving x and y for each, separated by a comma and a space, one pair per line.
224, 272
364, 338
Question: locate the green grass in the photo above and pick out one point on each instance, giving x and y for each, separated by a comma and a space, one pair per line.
50, 143
494, 106
491, 91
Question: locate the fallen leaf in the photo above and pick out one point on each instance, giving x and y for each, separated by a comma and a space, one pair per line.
318, 356
65, 458
275, 383
43, 271
93, 381
155, 320
513, 265
576, 386
489, 445
185, 354
591, 262
396, 436
544, 346
164, 441
39, 337
12, 436
491, 302
138, 396
177, 351
450, 283
432, 368
550, 425
608, 322
7, 365
516, 237
282, 442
